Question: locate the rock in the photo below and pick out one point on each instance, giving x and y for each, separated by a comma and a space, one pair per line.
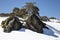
35, 24
11, 24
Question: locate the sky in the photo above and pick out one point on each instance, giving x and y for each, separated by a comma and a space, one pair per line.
49, 8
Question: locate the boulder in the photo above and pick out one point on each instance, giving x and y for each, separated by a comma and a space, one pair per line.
11, 24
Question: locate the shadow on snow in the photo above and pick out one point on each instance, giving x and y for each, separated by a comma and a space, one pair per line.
50, 32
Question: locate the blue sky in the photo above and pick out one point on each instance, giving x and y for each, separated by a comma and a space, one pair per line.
50, 8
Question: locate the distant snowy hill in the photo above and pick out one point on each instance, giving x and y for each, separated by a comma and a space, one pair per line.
55, 20
53, 33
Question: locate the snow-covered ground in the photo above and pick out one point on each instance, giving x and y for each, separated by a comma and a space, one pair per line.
53, 33
55, 20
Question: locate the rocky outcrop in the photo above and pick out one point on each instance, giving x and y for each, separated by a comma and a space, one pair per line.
44, 18
11, 24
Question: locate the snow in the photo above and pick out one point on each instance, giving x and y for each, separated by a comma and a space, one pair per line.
53, 24
53, 33
55, 20
2, 18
